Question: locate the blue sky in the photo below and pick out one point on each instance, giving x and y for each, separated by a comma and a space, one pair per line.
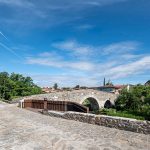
76, 42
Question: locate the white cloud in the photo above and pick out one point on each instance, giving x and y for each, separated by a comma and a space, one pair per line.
102, 2
54, 62
75, 48
52, 12
136, 67
120, 63
18, 3
50, 56
64, 80
59, 4
95, 77
122, 47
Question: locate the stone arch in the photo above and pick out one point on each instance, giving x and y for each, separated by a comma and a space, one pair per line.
108, 104
91, 102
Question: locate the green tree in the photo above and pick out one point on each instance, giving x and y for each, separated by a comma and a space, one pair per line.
147, 83
109, 83
77, 86
137, 101
16, 85
55, 86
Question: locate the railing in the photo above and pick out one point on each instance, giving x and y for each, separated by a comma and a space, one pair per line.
55, 105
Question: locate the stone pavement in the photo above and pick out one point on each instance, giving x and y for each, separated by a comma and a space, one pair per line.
21, 129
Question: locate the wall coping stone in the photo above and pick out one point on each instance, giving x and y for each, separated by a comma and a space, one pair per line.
106, 116
121, 123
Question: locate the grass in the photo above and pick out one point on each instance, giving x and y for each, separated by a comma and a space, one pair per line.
113, 112
13, 97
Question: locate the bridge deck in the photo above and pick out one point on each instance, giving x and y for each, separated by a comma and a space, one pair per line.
23, 129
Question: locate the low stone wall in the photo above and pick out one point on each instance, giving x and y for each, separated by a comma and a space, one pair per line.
108, 121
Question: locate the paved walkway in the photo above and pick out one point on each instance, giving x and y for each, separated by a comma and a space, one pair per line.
25, 130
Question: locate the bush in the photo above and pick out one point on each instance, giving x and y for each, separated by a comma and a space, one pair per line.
136, 101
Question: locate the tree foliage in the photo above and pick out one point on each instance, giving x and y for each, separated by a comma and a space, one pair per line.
15, 85
137, 101
147, 83
55, 86
77, 87
109, 83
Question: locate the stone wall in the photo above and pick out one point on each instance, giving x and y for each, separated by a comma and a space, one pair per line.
108, 121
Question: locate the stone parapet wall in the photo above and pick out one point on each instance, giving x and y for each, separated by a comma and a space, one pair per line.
108, 121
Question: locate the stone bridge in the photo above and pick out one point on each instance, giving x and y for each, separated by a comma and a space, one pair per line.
97, 99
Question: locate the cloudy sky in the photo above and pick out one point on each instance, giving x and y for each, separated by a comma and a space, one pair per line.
76, 42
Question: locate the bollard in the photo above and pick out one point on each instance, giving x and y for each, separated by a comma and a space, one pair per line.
22, 103
87, 109
45, 103
45, 110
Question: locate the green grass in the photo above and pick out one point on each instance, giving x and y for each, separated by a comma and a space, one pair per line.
15, 97
113, 112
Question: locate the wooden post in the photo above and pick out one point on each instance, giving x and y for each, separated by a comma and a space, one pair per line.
45, 103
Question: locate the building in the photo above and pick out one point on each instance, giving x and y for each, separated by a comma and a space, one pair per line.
110, 88
47, 89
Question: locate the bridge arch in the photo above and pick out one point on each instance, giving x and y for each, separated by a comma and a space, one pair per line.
108, 104
91, 102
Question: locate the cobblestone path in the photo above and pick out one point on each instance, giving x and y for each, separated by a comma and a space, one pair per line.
25, 130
